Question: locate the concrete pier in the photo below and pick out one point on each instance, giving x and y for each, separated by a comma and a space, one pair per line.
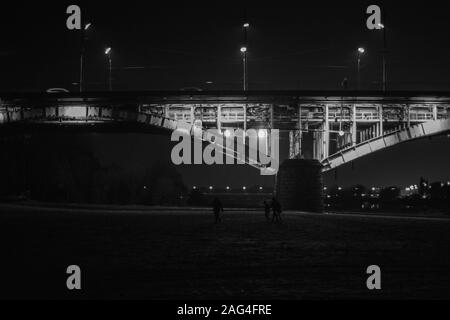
299, 185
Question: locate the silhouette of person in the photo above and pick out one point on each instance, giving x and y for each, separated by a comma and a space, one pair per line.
217, 209
276, 207
344, 83
267, 208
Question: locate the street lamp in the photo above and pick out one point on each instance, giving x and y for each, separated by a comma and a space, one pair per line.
83, 43
244, 60
108, 53
360, 52
382, 27
245, 27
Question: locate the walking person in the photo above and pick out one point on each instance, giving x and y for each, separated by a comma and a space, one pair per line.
217, 209
276, 208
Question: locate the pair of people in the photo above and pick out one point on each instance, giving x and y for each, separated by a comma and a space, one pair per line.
275, 207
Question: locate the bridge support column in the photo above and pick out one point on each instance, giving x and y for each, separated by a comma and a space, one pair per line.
294, 144
219, 120
299, 185
192, 115
245, 118
354, 128
380, 115
408, 116
326, 135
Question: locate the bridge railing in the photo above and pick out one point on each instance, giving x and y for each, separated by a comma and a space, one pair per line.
413, 132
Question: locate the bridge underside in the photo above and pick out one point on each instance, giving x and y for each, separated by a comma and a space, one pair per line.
329, 127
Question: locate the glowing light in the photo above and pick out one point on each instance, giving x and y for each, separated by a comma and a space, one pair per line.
341, 133
227, 133
244, 49
361, 50
246, 25
107, 50
210, 187
262, 134
87, 26
228, 188
244, 188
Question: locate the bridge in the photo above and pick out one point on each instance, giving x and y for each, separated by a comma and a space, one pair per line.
325, 129
332, 127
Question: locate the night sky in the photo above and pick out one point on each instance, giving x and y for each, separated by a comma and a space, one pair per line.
295, 45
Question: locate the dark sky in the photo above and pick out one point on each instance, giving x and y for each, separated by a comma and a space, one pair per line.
292, 45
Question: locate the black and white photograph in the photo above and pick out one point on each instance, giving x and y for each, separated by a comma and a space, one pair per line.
224, 157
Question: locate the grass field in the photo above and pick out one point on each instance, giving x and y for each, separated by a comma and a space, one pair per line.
168, 254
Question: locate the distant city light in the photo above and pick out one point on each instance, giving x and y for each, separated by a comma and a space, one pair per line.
228, 188
145, 187
361, 50
244, 188
107, 50
339, 188
324, 188
246, 25
244, 49
260, 188
194, 187
210, 187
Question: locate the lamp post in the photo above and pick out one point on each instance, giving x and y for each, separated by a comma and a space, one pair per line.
360, 52
108, 53
245, 27
382, 27
244, 61
83, 43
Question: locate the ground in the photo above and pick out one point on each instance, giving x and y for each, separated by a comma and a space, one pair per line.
182, 254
